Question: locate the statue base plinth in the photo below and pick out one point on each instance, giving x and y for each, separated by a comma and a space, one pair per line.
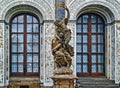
64, 81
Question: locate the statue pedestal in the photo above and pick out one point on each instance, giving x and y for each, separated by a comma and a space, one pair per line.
64, 81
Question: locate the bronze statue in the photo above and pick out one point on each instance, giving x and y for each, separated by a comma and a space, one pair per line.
60, 47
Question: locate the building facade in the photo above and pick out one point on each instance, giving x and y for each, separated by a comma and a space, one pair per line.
26, 31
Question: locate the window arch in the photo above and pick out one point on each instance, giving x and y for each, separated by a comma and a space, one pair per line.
24, 45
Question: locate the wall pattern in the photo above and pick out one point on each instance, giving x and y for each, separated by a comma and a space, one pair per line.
1, 53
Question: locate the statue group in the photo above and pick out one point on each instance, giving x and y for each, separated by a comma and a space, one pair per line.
61, 49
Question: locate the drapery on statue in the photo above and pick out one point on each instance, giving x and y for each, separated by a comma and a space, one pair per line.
60, 47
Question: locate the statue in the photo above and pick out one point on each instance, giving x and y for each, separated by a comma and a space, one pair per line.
60, 47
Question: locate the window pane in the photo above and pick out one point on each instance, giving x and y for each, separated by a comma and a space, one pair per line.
93, 19
79, 49
29, 67
29, 19
100, 58
14, 57
100, 20
85, 68
85, 48
85, 59
29, 37
94, 39
79, 29
14, 37
94, 59
20, 27
78, 58
20, 37
35, 28
14, 20
85, 18
29, 57
35, 37
35, 20
35, 48
29, 47
79, 20
20, 48
100, 68
20, 67
85, 38
35, 67
29, 27
14, 67
14, 47
100, 48
85, 28
94, 68
100, 38
93, 28
35, 58
14, 27
93, 48
20, 19
78, 68
100, 28
20, 58
79, 39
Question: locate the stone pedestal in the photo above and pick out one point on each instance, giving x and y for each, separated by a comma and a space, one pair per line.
64, 81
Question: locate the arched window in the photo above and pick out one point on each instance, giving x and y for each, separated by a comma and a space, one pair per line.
90, 45
24, 45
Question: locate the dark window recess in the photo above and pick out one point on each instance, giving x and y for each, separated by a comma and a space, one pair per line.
24, 86
24, 45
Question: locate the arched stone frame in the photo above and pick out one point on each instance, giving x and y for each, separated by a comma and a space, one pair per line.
110, 14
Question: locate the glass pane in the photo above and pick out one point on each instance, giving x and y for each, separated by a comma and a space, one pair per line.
29, 67
14, 20
100, 68
93, 28
20, 67
85, 68
20, 27
20, 48
85, 28
94, 68
35, 58
14, 57
79, 38
85, 38
78, 47
29, 27
35, 67
35, 20
93, 19
14, 37
100, 38
29, 19
93, 48
85, 48
94, 39
85, 59
100, 58
29, 57
35, 28
14, 27
78, 58
78, 67
100, 48
14, 67
20, 37
29, 47
35, 48
79, 20
79, 29
20, 58
100, 20
100, 28
14, 47
20, 19
29, 37
94, 59
85, 18
35, 38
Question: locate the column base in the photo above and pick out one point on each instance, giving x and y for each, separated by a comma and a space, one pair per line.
63, 81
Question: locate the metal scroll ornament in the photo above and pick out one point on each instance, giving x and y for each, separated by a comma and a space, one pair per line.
61, 49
